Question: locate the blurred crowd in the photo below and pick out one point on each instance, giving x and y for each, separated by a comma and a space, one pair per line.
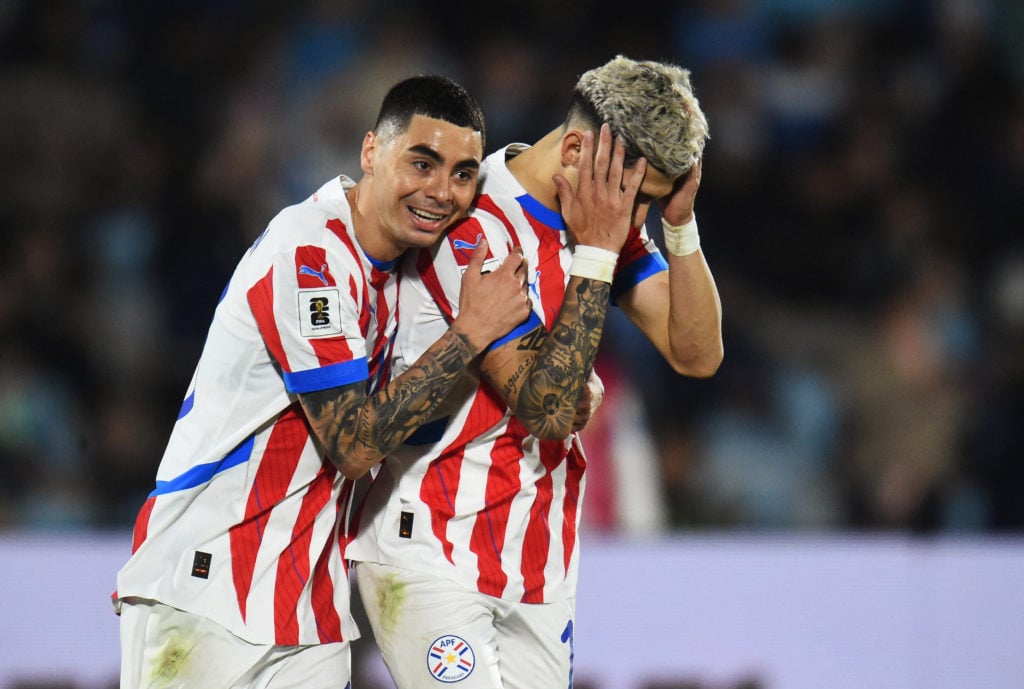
862, 209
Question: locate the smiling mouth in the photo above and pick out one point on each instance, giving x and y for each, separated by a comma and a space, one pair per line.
427, 216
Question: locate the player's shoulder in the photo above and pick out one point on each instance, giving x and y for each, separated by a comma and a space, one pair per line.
323, 217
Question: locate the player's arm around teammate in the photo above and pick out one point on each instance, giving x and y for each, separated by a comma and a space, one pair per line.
544, 384
359, 430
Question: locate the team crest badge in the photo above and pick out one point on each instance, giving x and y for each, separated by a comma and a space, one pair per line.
450, 659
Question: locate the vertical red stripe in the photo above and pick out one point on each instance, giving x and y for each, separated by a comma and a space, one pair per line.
328, 620
380, 355
537, 539
142, 523
277, 466
425, 268
575, 466
440, 483
293, 565
488, 538
486, 203
551, 276
261, 302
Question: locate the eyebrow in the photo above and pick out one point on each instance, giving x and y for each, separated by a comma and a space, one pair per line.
429, 152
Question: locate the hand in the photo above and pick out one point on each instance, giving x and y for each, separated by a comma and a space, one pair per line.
492, 304
599, 211
677, 207
593, 395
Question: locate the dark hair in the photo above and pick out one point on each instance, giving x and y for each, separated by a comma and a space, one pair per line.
432, 96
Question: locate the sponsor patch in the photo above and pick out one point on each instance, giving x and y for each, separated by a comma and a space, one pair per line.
450, 659
319, 312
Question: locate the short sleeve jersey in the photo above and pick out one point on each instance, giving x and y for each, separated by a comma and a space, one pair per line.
245, 525
473, 497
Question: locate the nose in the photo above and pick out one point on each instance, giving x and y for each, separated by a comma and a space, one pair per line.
440, 188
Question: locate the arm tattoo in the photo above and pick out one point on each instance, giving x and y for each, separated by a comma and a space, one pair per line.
358, 430
552, 391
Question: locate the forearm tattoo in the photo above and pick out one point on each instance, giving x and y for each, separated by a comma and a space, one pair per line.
358, 430
552, 391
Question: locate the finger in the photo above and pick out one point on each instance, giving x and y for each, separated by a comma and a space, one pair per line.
604, 154
586, 161
566, 194
513, 262
617, 164
476, 260
634, 178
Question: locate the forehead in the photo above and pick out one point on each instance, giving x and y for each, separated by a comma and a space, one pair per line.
451, 142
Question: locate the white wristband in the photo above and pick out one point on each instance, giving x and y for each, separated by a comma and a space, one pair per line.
681, 240
594, 263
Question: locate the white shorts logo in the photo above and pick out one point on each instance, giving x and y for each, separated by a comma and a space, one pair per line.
318, 312
450, 659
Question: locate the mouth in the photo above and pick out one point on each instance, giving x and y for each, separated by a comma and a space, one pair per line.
428, 220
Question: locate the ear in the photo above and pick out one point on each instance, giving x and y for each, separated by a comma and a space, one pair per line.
570, 144
366, 155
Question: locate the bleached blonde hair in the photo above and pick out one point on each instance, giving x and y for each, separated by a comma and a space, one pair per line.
651, 105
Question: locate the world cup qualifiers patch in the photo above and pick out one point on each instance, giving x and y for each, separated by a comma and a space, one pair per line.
319, 312
450, 659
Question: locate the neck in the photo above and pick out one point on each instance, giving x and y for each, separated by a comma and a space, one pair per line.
534, 168
366, 224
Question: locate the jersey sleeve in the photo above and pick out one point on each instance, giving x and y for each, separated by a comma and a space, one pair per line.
307, 310
638, 260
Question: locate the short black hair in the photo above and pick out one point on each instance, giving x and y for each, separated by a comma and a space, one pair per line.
430, 95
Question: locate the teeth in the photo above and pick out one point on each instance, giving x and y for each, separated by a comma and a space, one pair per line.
430, 217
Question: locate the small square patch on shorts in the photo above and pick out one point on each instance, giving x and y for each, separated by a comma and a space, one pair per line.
201, 565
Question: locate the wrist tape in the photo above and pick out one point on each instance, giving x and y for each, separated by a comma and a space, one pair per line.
681, 240
594, 263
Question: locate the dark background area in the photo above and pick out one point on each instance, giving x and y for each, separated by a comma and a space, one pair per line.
862, 208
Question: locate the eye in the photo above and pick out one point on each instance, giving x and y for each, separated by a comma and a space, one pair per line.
468, 176
421, 165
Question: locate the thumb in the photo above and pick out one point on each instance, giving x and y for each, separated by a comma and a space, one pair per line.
566, 195
476, 260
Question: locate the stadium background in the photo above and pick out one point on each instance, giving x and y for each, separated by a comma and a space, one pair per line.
862, 208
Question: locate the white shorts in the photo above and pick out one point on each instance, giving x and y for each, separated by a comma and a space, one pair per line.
165, 648
432, 631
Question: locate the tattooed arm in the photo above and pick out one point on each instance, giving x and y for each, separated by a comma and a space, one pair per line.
543, 378
357, 430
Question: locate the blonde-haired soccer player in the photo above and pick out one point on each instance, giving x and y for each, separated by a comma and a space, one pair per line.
466, 544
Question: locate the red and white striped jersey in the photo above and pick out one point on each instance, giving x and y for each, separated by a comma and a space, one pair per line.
473, 497
246, 524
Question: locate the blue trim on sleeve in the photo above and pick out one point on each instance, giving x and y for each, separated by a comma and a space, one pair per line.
198, 475
631, 275
547, 216
526, 326
332, 376
429, 433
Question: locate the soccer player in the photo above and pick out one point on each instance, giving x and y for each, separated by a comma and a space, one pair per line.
466, 544
238, 576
